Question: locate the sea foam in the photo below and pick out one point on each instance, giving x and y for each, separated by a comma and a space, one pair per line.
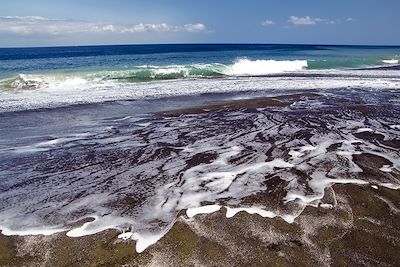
390, 61
246, 67
70, 90
140, 173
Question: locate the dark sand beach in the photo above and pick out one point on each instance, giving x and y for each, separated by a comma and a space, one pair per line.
362, 228
199, 133
356, 220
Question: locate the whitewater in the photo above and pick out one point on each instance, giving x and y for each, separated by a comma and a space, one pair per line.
32, 91
131, 137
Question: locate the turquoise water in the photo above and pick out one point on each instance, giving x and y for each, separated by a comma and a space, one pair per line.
158, 62
33, 78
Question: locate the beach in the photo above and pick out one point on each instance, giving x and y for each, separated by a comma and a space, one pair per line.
361, 229
353, 221
225, 168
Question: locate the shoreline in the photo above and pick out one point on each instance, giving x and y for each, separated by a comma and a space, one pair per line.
70, 97
363, 226
352, 217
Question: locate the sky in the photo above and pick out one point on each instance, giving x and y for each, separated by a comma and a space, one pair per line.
90, 22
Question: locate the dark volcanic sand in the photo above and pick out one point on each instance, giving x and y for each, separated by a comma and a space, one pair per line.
357, 225
362, 229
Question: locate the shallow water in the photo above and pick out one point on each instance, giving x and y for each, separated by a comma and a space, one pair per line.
138, 169
79, 143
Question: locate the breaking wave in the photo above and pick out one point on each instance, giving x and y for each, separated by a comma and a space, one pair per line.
390, 61
144, 73
36, 81
241, 67
244, 67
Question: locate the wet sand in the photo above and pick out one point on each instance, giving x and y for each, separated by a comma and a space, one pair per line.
351, 225
280, 101
362, 228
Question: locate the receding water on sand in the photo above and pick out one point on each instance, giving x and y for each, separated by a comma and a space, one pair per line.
139, 138
270, 156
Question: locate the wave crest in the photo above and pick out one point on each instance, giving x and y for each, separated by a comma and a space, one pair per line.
241, 67
24, 81
391, 61
149, 72
38, 81
244, 67
144, 73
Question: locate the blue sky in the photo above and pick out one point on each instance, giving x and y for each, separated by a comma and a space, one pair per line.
81, 22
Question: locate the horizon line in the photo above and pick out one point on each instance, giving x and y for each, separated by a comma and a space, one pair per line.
205, 43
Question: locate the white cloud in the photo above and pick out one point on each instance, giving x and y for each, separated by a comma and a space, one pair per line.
304, 20
198, 27
267, 23
31, 25
307, 20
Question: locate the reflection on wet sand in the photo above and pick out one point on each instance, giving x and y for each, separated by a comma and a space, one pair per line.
270, 155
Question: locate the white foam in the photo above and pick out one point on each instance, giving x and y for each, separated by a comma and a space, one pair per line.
301, 198
263, 67
31, 231
374, 187
326, 206
318, 183
307, 148
45, 145
390, 61
191, 212
362, 130
61, 94
230, 212
237, 168
125, 235
144, 240
99, 224
288, 218
86, 229
390, 186
386, 168
347, 181
295, 154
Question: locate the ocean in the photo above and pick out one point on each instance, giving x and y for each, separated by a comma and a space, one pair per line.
128, 137
60, 76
